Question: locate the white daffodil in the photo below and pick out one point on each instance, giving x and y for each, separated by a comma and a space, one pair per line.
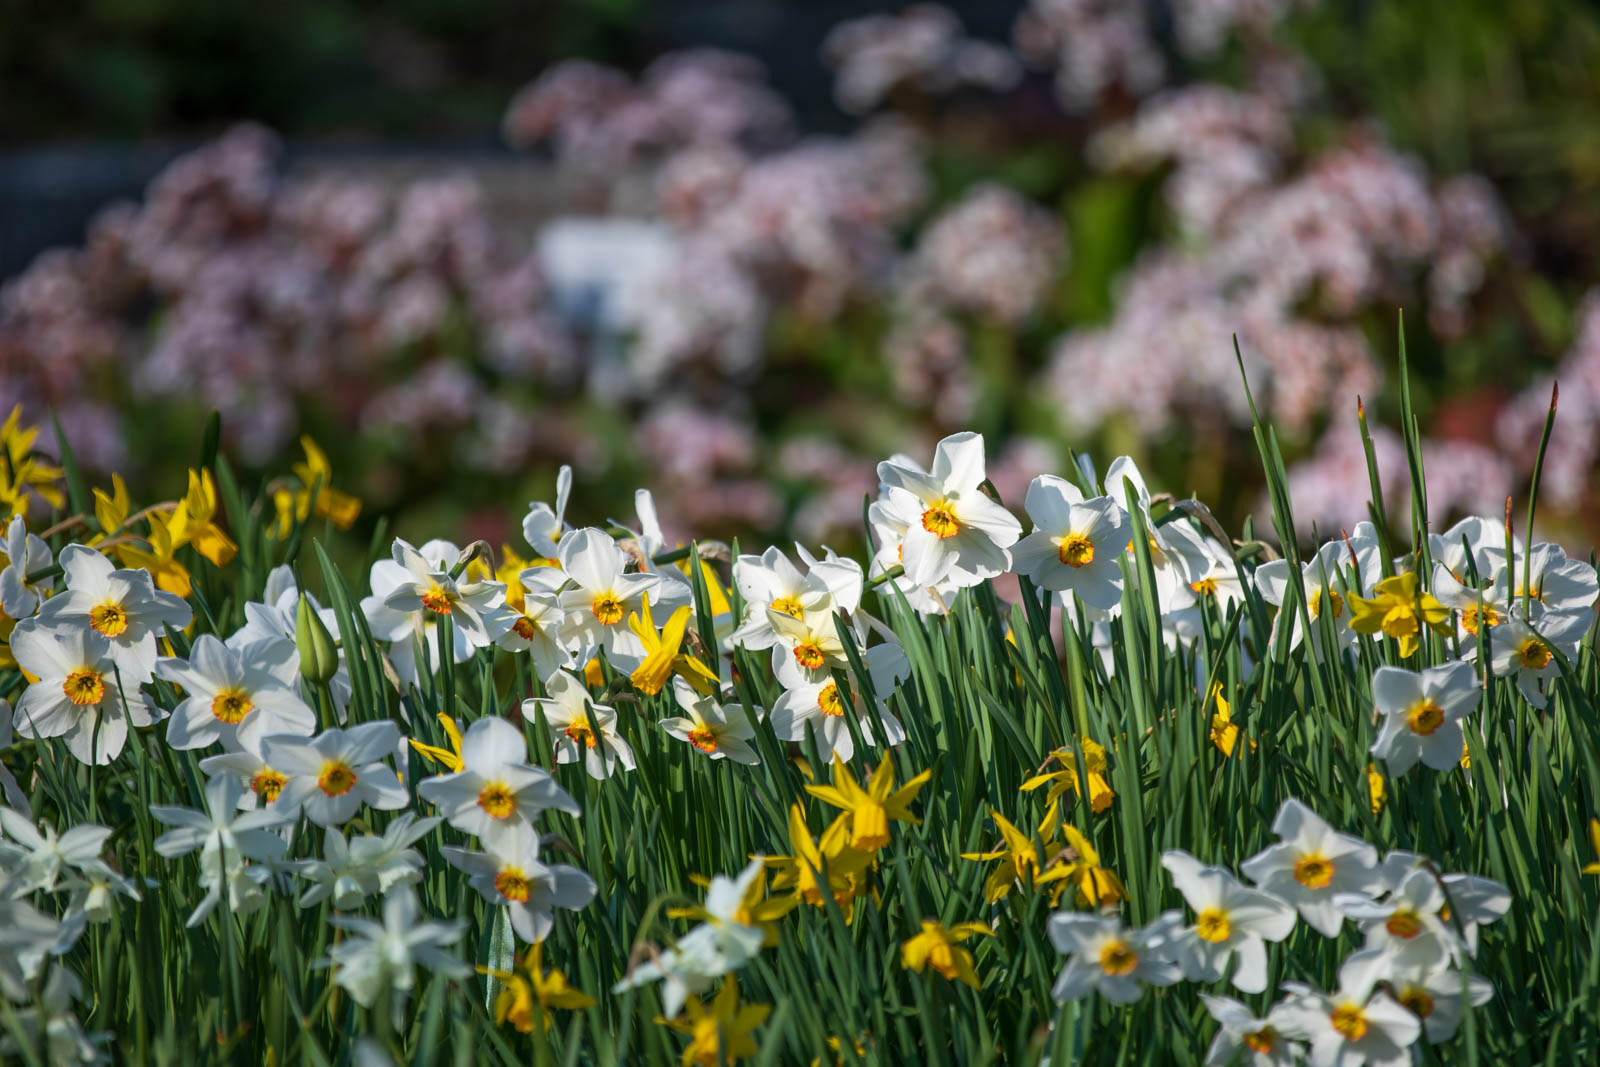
1439, 997
1409, 922
1529, 653
721, 731
244, 760
603, 595
35, 857
275, 619
510, 874
1312, 865
1422, 714
1472, 901
331, 775
675, 590
812, 698
1473, 546
887, 517
1477, 608
25, 554
379, 958
1262, 1041
426, 587
228, 686
225, 839
1229, 918
1177, 551
1076, 544
810, 637
1105, 956
50, 1025
350, 871
544, 526
95, 889
496, 788
579, 727
27, 937
1356, 1024
952, 529
538, 622
77, 697
1339, 568
407, 630
1560, 585
771, 581
123, 606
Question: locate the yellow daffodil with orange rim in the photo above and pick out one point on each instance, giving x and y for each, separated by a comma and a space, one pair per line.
939, 946
532, 993
871, 809
1399, 609
1094, 758
719, 1035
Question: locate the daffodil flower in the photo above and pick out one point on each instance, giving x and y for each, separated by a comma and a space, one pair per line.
1349, 565
1434, 995
1529, 653
939, 946
602, 595
25, 554
1422, 714
1312, 865
1224, 731
36, 856
1263, 1041
544, 526
511, 875
721, 731
531, 984
226, 686
381, 958
814, 699
1076, 544
350, 871
1019, 856
1399, 609
23, 475
491, 787
1358, 1022
426, 586
580, 728
721, 1035
77, 696
195, 522
123, 606
871, 809
771, 582
1104, 956
741, 902
1230, 919
1101, 794
225, 838
1473, 901
820, 868
952, 529
1594, 846
332, 774
160, 559
316, 495
1409, 923
664, 655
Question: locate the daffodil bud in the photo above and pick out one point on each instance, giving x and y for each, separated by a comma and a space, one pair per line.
319, 658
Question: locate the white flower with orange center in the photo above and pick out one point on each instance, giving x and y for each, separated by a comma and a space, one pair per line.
76, 697
225, 837
1422, 714
1478, 609
1076, 543
226, 686
1533, 654
510, 874
721, 731
1471, 900
1438, 996
580, 728
1244, 1038
813, 700
889, 517
330, 776
1409, 923
407, 630
243, 759
1312, 865
1177, 552
1106, 957
602, 595
435, 585
537, 620
771, 582
953, 530
1230, 919
496, 787
123, 606
1559, 585
810, 638
1356, 1024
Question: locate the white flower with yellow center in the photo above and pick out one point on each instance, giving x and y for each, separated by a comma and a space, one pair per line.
544, 526
1438, 996
721, 731
332, 774
1409, 923
887, 518
580, 728
1177, 552
1229, 919
36, 857
1560, 585
226, 686
1076, 544
1532, 654
1478, 609
956, 531
810, 639
538, 621
771, 582
244, 761
1339, 568
25, 554
1471, 901
1106, 957
813, 699
496, 788
406, 630
510, 874
602, 596
1474, 545
430, 587
1422, 714
123, 606
76, 697
1312, 865
1357, 1023
225, 838
1262, 1042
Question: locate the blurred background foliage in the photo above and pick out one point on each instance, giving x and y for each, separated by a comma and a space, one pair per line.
783, 441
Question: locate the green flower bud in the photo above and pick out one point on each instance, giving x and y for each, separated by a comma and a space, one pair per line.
319, 656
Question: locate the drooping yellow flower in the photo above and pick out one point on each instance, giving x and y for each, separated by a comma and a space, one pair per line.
23, 475
448, 758
664, 655
1018, 853
1224, 731
531, 984
195, 523
825, 867
1094, 758
721, 1035
1400, 609
939, 947
1594, 843
872, 808
159, 559
1078, 865
1377, 788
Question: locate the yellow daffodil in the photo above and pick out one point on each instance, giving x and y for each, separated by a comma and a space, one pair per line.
111, 509
1376, 788
830, 857
531, 984
159, 559
721, 1035
664, 655
1224, 731
872, 808
448, 758
1018, 853
1078, 865
23, 475
755, 908
715, 594
939, 947
1094, 758
195, 524
1594, 843
1400, 609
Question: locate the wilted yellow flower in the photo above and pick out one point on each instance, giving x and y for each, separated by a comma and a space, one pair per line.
939, 947
664, 655
531, 984
1400, 609
721, 1035
1094, 758
802, 872
872, 808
